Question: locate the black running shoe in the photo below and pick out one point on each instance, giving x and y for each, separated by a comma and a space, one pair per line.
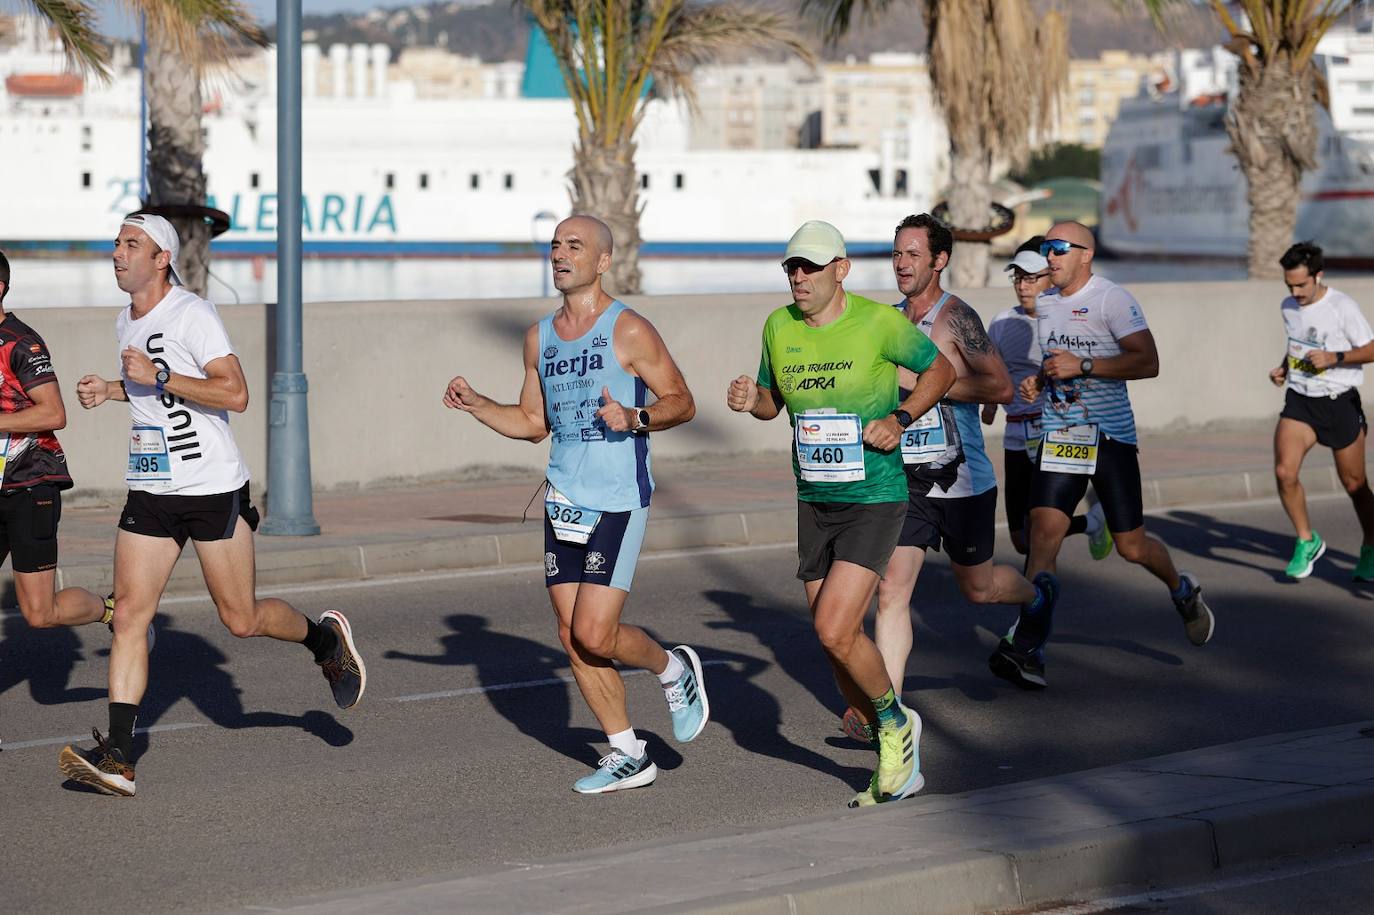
1025, 669
1032, 630
1198, 621
345, 671
103, 768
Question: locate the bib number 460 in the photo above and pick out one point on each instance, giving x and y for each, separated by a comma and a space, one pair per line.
827, 455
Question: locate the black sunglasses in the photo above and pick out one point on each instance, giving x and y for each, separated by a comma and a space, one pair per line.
807, 267
1058, 246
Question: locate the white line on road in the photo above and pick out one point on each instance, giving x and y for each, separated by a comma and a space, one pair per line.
523, 684
1214, 886
54, 741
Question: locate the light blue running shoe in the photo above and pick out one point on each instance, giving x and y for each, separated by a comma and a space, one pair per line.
687, 697
617, 771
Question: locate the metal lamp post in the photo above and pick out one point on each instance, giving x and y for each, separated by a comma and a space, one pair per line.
290, 512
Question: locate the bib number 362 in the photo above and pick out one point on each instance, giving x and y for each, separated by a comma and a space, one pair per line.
572, 523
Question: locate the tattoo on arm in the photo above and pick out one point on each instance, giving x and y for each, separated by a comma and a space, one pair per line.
968, 329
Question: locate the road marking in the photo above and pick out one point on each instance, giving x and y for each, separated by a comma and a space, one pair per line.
1214, 886
54, 741
523, 684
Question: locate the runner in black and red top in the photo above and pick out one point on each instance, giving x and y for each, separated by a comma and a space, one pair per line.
33, 473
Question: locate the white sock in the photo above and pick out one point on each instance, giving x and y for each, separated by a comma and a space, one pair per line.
626, 742
674, 670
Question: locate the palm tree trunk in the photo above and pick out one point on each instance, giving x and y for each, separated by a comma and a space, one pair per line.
1273, 132
176, 152
970, 207
604, 184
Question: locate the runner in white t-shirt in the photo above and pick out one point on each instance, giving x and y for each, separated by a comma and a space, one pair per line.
1329, 341
1094, 339
186, 480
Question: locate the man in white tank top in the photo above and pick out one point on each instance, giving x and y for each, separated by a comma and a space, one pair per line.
1329, 341
591, 549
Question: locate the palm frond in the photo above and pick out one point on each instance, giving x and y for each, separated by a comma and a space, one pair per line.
82, 43
837, 16
202, 31
699, 34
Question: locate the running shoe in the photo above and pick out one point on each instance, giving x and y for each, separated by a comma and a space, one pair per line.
1198, 621
865, 798
616, 771
1305, 555
1032, 628
103, 768
1364, 570
687, 697
1025, 669
1099, 536
345, 671
854, 727
108, 620
899, 760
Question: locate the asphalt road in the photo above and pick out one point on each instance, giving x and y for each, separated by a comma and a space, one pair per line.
254, 789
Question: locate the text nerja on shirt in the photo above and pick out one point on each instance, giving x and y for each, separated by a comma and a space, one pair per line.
589, 464
177, 446
846, 367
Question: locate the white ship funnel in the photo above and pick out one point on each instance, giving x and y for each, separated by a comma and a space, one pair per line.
381, 56
358, 58
338, 65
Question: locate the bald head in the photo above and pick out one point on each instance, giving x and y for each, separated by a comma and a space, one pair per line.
1075, 232
590, 230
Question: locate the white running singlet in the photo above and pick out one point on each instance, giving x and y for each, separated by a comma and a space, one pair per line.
183, 333
1333, 323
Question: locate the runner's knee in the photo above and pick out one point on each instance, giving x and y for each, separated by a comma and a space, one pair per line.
836, 636
1286, 475
596, 639
1133, 549
40, 614
1354, 483
242, 622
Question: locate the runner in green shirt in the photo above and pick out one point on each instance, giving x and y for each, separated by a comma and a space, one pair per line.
831, 358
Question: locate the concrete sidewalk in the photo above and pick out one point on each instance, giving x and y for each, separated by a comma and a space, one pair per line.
746, 500
1174, 819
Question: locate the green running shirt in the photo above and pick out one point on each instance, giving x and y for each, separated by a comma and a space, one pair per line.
849, 366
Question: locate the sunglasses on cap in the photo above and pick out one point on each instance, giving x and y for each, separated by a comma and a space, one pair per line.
807, 267
1058, 246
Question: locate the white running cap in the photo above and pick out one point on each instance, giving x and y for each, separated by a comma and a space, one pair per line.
163, 235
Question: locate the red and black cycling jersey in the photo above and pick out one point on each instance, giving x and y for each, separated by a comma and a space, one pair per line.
34, 457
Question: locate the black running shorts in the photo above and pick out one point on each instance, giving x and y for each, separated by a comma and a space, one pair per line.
183, 518
1116, 482
1017, 470
28, 527
862, 533
1338, 420
965, 527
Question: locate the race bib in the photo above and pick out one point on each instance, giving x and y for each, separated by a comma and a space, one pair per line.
149, 461
1032, 433
1297, 351
925, 439
4, 454
830, 447
571, 522
1072, 449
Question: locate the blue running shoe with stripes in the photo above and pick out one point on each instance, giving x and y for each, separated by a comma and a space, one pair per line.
686, 697
616, 771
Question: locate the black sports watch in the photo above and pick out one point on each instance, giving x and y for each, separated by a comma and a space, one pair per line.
1086, 367
163, 376
641, 420
1340, 357
903, 417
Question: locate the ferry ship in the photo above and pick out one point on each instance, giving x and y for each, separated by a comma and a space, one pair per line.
1171, 187
387, 173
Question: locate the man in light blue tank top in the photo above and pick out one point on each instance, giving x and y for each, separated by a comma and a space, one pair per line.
589, 367
952, 489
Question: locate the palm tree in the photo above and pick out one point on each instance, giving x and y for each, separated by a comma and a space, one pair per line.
611, 53
74, 23
996, 68
1273, 121
184, 37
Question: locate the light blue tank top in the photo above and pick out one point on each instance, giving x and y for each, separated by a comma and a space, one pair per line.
591, 465
964, 469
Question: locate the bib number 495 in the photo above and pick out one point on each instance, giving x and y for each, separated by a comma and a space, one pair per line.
148, 463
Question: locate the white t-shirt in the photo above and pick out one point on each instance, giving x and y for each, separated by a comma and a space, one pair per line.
1013, 333
1333, 323
1089, 323
184, 333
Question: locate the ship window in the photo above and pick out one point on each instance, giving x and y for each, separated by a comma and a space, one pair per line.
510, 181
85, 137
85, 179
1363, 111
253, 179
474, 181
424, 180
390, 180
679, 180
644, 181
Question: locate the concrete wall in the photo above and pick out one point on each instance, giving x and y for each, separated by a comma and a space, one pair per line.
377, 371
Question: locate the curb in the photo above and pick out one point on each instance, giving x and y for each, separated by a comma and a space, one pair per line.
359, 562
1290, 794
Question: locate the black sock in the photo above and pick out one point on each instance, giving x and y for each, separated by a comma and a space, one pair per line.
1078, 524
319, 640
122, 716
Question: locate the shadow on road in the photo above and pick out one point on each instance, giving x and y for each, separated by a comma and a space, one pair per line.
510, 667
43, 658
1266, 551
186, 666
